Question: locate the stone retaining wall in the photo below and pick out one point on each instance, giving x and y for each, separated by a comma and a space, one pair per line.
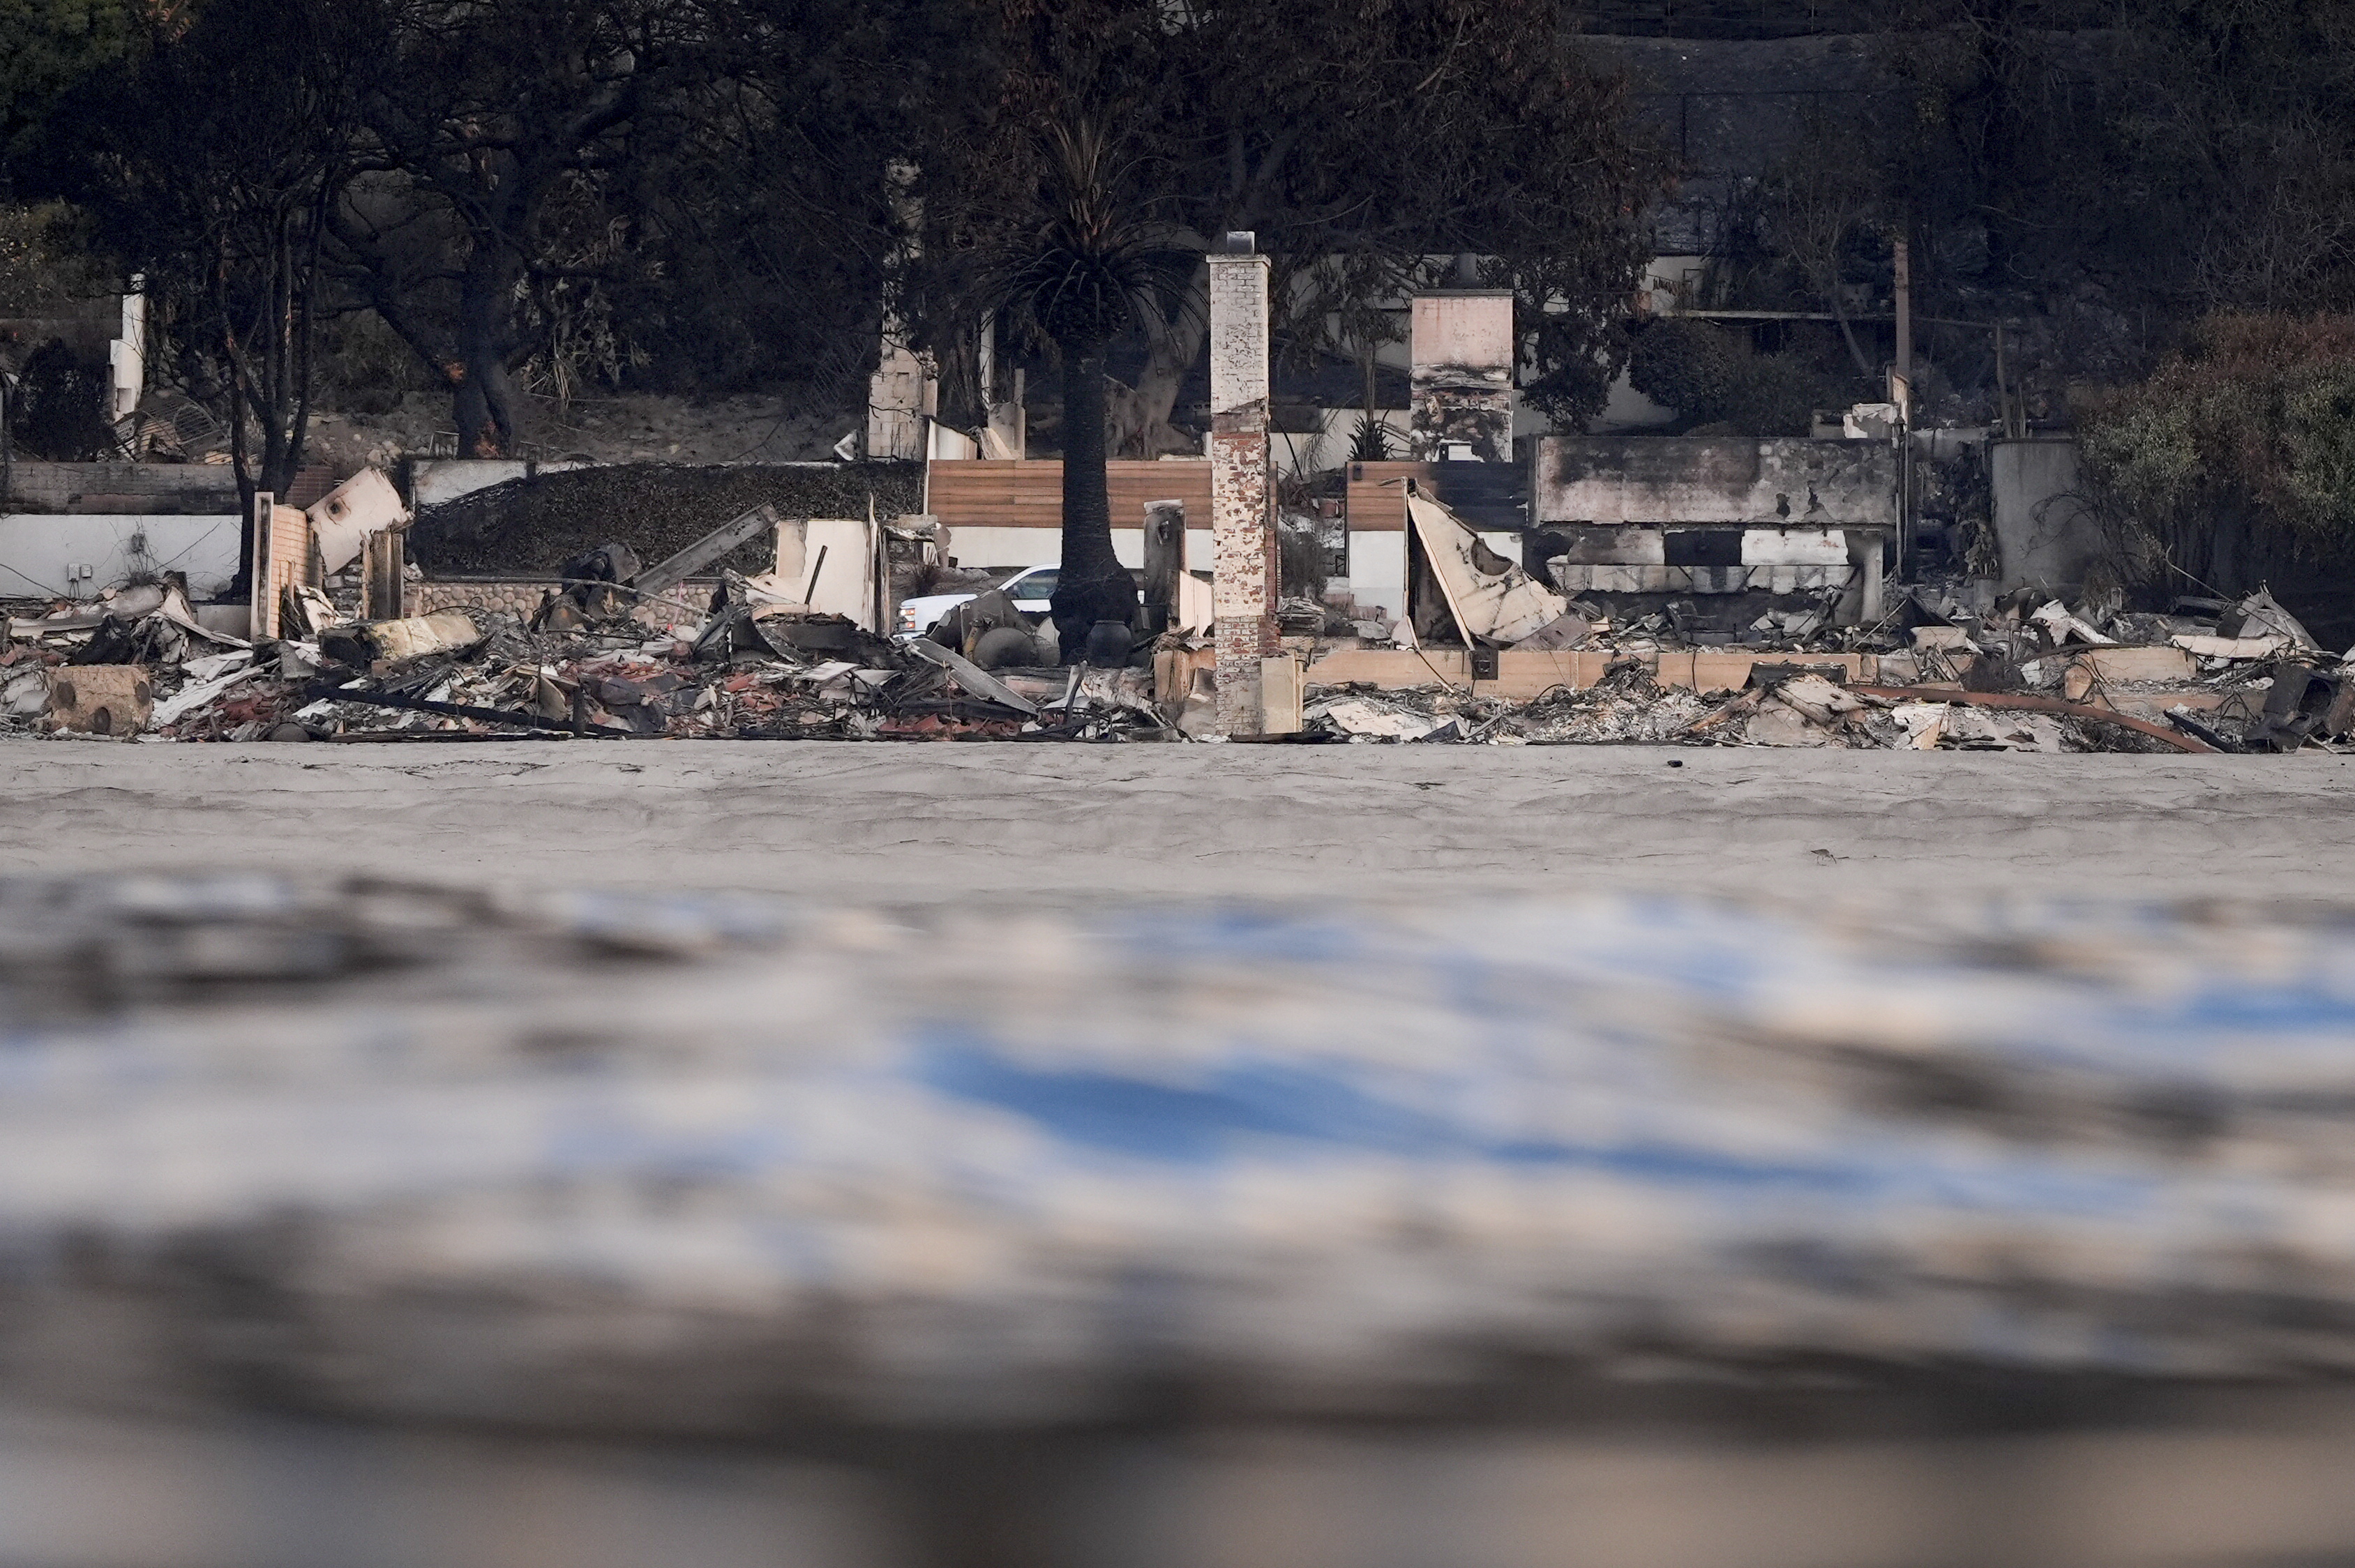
521, 595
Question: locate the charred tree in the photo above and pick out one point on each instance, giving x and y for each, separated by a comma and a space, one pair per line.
207, 163
502, 137
1355, 137
1093, 585
1079, 277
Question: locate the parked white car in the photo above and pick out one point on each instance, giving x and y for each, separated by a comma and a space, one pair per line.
1029, 588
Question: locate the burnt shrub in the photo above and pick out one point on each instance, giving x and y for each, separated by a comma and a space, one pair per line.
1683, 365
60, 410
1712, 378
2233, 460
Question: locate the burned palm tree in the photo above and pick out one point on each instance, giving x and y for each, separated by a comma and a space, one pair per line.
1085, 274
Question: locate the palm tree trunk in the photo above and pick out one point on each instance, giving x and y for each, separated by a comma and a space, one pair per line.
1095, 586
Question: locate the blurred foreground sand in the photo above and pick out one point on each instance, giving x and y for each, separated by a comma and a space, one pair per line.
306, 1373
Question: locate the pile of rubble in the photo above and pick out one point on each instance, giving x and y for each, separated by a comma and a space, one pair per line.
756, 668
1954, 667
2027, 675
1626, 705
2032, 673
789, 653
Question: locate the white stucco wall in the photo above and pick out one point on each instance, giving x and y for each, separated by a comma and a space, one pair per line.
1044, 547
1377, 560
38, 549
1626, 412
1313, 451
1377, 570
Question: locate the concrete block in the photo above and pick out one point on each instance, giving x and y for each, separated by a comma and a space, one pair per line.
1793, 547
2047, 536
1279, 695
2138, 665
100, 699
1598, 545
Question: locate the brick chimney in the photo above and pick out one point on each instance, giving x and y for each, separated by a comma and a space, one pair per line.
1243, 527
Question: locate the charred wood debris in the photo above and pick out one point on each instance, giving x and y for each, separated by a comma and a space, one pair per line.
586, 665
2020, 673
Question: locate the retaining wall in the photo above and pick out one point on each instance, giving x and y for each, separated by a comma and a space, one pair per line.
682, 606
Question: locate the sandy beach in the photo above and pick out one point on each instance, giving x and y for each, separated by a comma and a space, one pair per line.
1062, 823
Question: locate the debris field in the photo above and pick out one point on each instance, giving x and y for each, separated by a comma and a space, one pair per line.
793, 652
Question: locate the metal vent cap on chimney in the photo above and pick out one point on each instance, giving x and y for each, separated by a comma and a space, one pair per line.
1239, 243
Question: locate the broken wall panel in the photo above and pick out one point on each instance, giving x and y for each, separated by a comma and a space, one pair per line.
1767, 482
708, 550
830, 565
1764, 518
345, 517
284, 556
1491, 496
1490, 598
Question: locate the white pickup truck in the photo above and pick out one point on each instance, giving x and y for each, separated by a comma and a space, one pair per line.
1029, 588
